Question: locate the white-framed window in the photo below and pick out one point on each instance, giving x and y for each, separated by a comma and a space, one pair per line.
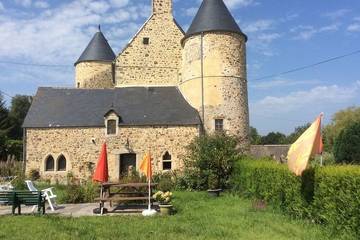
111, 123
219, 125
166, 161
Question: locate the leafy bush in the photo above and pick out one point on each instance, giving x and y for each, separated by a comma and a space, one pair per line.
329, 195
347, 145
337, 197
166, 181
34, 174
272, 182
80, 193
210, 155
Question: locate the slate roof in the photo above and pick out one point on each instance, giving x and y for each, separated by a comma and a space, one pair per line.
213, 15
137, 106
97, 50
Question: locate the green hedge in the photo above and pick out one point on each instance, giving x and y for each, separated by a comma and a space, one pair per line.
337, 197
329, 195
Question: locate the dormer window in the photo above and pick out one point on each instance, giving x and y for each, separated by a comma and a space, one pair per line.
111, 127
112, 120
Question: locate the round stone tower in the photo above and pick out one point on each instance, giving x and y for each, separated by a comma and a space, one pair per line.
94, 68
214, 79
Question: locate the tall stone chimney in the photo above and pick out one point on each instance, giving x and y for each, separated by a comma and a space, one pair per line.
162, 6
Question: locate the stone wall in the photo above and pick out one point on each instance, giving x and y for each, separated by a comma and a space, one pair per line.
162, 6
225, 81
157, 63
94, 75
81, 147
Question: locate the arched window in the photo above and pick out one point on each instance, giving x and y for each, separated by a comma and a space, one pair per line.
49, 164
61, 164
167, 161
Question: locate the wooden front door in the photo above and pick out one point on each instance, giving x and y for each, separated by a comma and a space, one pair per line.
127, 161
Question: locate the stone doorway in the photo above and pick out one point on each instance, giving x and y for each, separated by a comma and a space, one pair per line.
127, 161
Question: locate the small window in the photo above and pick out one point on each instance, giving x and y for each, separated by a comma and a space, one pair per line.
113, 69
49, 164
146, 41
219, 125
78, 85
61, 163
111, 127
167, 165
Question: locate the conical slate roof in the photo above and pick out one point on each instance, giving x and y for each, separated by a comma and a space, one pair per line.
97, 50
213, 15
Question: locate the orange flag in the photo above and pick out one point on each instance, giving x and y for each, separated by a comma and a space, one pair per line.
145, 166
309, 144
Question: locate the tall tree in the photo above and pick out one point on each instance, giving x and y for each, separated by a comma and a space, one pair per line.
297, 133
274, 138
339, 122
20, 105
254, 136
4, 114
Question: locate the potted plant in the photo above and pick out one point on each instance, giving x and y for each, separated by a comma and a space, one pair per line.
164, 199
214, 185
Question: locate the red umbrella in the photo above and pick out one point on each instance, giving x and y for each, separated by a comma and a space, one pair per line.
101, 174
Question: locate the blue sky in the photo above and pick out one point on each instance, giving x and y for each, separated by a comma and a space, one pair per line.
282, 34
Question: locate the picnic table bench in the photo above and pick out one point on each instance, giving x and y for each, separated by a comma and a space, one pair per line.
123, 192
27, 198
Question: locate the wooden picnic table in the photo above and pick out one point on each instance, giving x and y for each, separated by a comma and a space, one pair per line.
123, 192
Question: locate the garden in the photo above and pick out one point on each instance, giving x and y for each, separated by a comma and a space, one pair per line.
220, 194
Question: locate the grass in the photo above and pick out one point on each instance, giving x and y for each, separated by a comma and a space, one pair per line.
198, 217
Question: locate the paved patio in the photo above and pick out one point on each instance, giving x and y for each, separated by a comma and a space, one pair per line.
81, 210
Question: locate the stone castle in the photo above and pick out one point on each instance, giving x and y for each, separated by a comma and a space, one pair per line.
162, 90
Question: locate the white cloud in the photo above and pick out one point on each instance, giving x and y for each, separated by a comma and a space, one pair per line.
41, 4
268, 37
355, 27
190, 11
240, 3
2, 7
258, 26
280, 82
307, 32
24, 3
119, 3
338, 13
320, 96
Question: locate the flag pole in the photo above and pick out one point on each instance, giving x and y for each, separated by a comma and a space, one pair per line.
322, 150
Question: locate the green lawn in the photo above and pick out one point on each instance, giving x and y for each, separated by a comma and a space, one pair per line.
198, 217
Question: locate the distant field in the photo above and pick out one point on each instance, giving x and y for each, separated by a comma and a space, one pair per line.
198, 217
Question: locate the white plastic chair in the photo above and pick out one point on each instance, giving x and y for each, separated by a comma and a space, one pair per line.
48, 193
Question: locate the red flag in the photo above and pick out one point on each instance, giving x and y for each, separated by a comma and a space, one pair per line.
101, 174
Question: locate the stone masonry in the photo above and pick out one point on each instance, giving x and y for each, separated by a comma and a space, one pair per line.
225, 84
159, 61
81, 147
94, 74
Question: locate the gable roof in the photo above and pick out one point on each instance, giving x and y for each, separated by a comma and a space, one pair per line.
138, 106
213, 15
97, 50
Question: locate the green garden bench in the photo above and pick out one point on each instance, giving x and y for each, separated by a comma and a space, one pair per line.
27, 198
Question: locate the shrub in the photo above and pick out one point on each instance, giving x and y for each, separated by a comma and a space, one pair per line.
272, 182
337, 197
166, 181
76, 193
329, 195
347, 145
34, 174
210, 155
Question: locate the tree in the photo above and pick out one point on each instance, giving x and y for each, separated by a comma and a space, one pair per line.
20, 105
347, 145
297, 133
274, 138
340, 121
254, 136
4, 114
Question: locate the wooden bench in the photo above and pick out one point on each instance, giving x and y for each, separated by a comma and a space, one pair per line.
27, 198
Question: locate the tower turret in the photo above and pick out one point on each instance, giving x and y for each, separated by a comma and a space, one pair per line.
214, 78
94, 68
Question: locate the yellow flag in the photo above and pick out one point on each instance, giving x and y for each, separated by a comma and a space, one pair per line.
145, 166
308, 144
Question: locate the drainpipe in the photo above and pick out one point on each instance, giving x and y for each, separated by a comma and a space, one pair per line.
202, 81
